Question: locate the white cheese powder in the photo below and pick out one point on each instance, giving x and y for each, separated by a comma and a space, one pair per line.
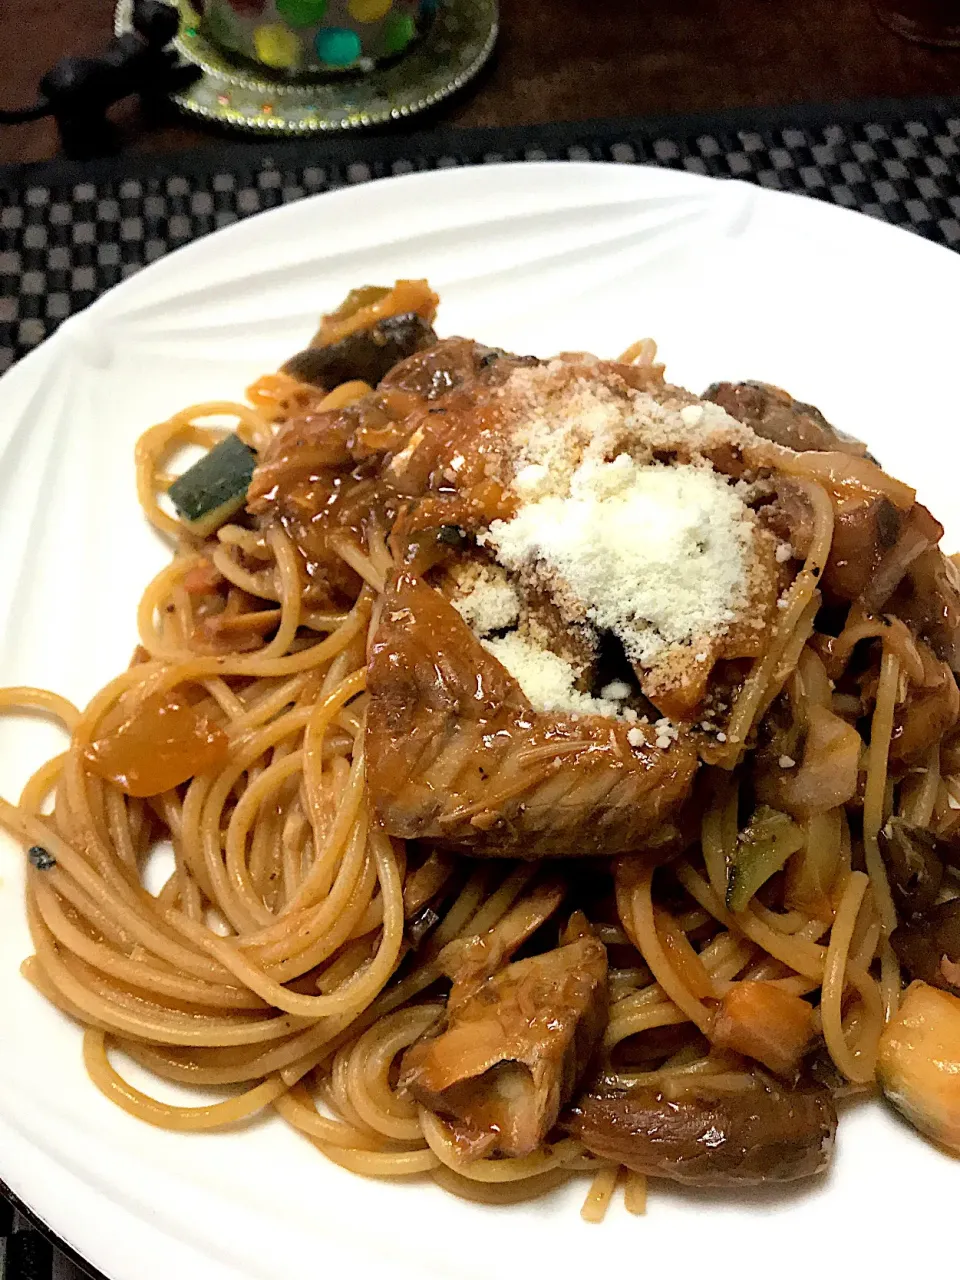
548, 680
488, 603
657, 554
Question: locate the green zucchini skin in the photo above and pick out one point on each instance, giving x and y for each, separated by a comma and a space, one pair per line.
762, 849
215, 487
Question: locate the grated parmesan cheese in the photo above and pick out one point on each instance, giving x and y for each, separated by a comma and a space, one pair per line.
531, 479
562, 415
548, 680
615, 691
486, 600
621, 524
659, 555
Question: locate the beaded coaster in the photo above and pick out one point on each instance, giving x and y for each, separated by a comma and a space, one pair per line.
452, 49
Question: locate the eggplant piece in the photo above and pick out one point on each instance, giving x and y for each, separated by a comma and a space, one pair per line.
914, 865
928, 947
919, 1063
366, 356
763, 1134
775, 415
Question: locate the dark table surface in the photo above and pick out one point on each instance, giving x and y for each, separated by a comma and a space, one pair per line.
566, 60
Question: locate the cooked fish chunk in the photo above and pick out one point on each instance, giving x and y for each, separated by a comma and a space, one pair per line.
513, 1047
470, 961
327, 474
457, 755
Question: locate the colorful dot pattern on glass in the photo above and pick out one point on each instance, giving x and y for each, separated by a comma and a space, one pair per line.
276, 45
295, 37
302, 13
400, 30
369, 10
337, 47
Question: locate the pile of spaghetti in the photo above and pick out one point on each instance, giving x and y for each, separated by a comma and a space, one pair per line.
464, 882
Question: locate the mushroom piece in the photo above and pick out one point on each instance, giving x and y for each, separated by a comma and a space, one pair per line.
763, 1133
515, 1042
828, 771
928, 947
914, 865
929, 711
928, 600
866, 527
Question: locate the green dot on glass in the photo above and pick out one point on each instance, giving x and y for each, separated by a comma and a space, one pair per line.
302, 13
398, 30
337, 47
217, 27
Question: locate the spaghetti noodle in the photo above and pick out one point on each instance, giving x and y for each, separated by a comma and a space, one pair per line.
304, 944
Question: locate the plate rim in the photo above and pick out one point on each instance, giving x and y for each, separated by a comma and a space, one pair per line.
32, 364
469, 172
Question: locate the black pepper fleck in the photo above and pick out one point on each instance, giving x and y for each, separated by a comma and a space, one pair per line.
40, 858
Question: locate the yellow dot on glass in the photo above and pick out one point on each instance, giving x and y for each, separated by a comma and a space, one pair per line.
276, 46
369, 10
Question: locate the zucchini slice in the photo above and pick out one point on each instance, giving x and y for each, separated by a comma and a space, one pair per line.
762, 849
215, 487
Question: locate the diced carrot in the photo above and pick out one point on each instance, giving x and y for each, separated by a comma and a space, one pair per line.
202, 580
764, 1022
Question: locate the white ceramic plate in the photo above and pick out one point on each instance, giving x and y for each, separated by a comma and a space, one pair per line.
734, 282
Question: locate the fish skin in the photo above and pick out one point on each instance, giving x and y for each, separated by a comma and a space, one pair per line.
449, 735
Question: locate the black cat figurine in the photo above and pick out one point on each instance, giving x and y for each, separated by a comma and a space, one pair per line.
78, 91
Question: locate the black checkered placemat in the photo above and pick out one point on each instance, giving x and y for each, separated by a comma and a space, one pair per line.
70, 231
28, 1253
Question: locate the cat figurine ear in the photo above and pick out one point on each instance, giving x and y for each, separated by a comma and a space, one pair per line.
155, 22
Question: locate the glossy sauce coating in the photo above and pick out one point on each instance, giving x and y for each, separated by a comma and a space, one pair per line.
762, 1134
456, 754
161, 743
420, 452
